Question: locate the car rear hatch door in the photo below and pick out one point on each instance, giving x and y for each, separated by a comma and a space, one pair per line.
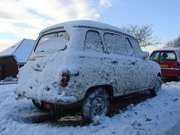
168, 59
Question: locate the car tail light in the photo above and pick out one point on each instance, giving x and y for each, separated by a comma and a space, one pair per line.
65, 79
48, 106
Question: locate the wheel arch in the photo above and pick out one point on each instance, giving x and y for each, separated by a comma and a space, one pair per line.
107, 88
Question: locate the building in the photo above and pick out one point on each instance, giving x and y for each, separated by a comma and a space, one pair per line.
15, 57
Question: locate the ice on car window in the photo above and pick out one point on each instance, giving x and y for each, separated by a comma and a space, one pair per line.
52, 42
115, 44
93, 42
130, 50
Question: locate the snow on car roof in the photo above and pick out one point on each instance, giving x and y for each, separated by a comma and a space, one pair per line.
84, 23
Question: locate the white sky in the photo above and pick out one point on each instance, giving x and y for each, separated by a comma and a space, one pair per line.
26, 18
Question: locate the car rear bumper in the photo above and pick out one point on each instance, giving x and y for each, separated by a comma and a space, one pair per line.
170, 72
61, 99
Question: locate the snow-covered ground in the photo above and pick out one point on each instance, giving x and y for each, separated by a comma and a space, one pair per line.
159, 115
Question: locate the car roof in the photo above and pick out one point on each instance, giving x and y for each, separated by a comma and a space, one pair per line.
168, 49
84, 23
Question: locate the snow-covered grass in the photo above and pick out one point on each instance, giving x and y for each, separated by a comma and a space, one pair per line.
158, 115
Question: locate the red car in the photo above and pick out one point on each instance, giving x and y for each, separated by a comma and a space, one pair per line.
169, 61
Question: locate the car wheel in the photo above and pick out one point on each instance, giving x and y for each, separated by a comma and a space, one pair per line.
96, 103
38, 105
157, 86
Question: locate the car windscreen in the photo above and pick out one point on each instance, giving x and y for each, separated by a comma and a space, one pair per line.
52, 42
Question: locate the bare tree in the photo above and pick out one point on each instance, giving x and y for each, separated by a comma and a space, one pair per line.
174, 43
144, 34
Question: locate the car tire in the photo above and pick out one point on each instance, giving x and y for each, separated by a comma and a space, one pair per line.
38, 105
96, 103
157, 86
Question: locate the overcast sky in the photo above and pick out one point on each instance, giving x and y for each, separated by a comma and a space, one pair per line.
26, 18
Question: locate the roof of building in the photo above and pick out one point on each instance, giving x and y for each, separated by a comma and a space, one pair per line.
21, 50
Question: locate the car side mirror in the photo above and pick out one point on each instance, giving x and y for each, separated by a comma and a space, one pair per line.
145, 55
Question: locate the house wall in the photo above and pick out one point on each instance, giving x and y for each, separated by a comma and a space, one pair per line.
8, 67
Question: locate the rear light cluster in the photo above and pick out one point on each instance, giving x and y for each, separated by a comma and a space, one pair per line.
48, 106
65, 79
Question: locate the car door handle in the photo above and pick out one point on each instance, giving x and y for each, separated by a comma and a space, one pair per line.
114, 62
133, 62
81, 56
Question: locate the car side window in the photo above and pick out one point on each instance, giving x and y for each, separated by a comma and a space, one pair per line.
93, 41
114, 43
135, 45
155, 56
129, 47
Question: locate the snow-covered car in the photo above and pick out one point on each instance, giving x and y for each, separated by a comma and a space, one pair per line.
169, 61
86, 62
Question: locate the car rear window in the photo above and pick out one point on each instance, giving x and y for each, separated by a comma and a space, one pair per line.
168, 56
52, 42
164, 55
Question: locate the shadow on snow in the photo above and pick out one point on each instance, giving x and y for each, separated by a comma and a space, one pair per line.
72, 117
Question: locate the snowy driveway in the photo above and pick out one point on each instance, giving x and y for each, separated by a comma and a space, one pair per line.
159, 115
